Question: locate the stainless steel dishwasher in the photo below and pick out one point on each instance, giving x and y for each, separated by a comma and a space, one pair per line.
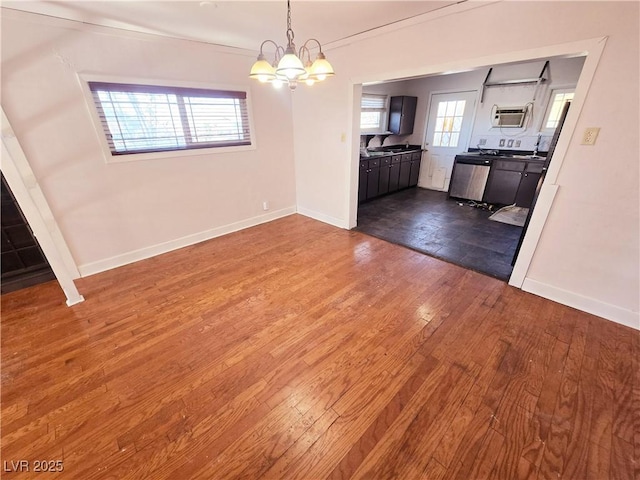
469, 177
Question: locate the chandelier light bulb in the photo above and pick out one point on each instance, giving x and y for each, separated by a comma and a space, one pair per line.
288, 66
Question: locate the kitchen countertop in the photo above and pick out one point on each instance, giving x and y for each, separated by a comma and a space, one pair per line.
513, 156
390, 151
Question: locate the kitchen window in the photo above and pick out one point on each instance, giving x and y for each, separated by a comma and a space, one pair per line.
149, 118
554, 109
373, 112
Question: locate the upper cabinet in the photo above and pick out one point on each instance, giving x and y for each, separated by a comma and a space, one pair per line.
402, 114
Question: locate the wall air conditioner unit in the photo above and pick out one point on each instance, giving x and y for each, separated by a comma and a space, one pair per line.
509, 117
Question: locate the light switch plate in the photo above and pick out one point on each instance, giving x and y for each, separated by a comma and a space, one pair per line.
590, 135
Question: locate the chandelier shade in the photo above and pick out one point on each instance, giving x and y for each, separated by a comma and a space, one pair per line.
262, 70
288, 65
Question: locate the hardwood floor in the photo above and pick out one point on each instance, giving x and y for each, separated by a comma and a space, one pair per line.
298, 350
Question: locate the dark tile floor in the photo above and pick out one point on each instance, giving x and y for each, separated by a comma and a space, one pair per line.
426, 221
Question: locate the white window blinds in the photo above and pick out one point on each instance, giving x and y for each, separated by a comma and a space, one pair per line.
372, 101
372, 111
149, 118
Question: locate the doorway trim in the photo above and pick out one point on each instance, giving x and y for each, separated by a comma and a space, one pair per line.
35, 208
590, 48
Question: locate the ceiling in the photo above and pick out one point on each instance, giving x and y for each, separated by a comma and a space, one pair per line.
241, 24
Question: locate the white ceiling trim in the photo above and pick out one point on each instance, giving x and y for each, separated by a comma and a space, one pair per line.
41, 19
243, 24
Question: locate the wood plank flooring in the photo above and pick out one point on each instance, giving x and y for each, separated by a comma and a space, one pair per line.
296, 350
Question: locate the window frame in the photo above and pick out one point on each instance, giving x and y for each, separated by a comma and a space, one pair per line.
384, 113
109, 157
553, 91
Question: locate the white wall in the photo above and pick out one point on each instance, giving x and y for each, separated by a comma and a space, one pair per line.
562, 72
111, 214
588, 252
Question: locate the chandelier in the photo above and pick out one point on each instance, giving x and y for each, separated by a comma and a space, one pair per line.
288, 66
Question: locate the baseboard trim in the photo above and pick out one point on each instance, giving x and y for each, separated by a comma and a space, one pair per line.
336, 222
616, 314
148, 252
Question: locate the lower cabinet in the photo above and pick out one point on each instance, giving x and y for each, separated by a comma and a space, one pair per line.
405, 170
503, 182
414, 174
362, 180
368, 181
385, 173
528, 185
373, 178
394, 173
513, 182
388, 174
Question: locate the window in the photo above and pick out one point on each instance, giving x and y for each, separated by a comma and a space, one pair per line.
373, 112
149, 118
557, 101
448, 123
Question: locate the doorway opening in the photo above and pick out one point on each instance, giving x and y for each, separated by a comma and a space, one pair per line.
455, 118
23, 262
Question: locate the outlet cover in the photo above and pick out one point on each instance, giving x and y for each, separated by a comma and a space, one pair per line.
518, 143
483, 141
590, 135
501, 144
510, 143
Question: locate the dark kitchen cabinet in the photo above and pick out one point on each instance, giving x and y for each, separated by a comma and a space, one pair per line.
394, 173
385, 170
414, 174
387, 174
368, 180
405, 170
373, 178
528, 185
362, 180
504, 181
402, 114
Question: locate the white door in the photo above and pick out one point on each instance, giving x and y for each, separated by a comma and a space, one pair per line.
448, 130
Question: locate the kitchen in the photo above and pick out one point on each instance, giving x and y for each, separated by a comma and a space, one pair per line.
442, 154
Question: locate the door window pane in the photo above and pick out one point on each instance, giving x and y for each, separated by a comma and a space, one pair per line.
448, 123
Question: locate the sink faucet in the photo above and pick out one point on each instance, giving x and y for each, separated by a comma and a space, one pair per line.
535, 149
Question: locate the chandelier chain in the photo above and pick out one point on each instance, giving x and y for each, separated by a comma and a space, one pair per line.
288, 65
289, 29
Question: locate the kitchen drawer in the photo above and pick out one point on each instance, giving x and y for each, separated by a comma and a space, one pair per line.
537, 167
416, 156
506, 165
385, 161
374, 163
364, 164
406, 157
396, 159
